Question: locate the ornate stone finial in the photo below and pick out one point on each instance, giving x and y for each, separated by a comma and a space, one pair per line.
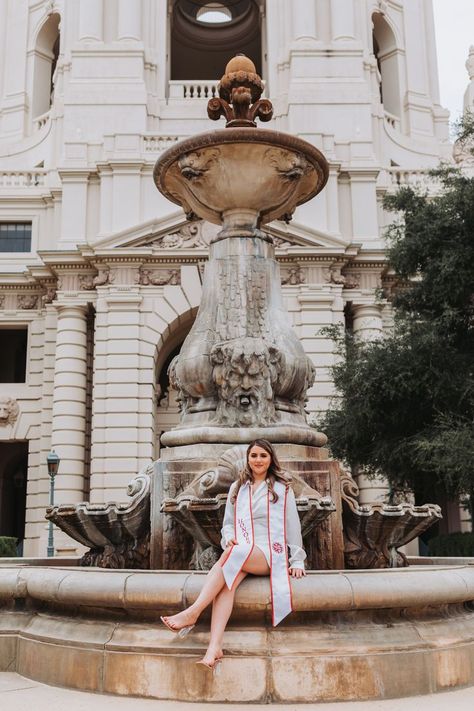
239, 99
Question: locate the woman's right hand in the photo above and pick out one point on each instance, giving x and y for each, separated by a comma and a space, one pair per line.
232, 542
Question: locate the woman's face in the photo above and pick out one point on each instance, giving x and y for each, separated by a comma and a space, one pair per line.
259, 461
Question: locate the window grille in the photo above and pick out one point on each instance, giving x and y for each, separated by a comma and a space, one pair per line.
15, 236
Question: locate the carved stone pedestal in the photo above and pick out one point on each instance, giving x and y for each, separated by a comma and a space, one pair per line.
242, 372
189, 495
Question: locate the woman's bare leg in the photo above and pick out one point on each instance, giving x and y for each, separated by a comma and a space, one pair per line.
224, 602
213, 584
221, 611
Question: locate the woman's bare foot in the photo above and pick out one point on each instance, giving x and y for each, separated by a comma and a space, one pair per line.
211, 657
180, 620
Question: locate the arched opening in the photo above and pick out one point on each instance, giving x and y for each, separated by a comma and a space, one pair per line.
13, 481
167, 412
206, 35
46, 54
387, 56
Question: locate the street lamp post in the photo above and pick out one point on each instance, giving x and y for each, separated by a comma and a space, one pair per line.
53, 466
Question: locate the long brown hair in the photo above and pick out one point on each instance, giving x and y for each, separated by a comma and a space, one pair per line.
274, 473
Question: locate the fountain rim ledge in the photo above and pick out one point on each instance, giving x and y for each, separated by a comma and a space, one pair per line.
276, 434
337, 590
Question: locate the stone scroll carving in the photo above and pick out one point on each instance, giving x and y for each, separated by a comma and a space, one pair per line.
118, 534
184, 398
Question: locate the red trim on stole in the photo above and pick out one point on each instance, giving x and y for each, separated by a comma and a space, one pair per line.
286, 549
222, 563
271, 556
228, 551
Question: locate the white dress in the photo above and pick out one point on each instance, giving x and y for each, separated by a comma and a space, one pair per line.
260, 523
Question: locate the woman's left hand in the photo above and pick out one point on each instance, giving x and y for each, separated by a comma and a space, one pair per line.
297, 572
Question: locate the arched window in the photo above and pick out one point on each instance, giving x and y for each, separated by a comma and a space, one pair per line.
206, 35
387, 55
46, 53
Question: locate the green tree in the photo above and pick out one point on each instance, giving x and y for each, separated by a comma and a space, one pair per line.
406, 402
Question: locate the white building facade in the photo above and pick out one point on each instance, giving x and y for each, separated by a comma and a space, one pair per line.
100, 276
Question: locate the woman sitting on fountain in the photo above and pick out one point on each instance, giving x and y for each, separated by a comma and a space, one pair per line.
260, 523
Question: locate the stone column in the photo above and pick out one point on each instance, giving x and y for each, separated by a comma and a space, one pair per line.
342, 20
91, 20
123, 387
129, 20
303, 15
69, 402
367, 322
368, 326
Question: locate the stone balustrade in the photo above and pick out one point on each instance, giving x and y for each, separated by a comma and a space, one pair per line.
155, 143
392, 121
23, 178
193, 89
41, 121
397, 177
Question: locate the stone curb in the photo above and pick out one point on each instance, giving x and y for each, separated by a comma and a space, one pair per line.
319, 591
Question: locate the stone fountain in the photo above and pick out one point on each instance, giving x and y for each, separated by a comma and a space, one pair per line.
374, 632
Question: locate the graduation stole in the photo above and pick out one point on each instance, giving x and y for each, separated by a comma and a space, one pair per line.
244, 535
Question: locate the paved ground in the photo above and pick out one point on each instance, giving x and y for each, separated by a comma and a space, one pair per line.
20, 694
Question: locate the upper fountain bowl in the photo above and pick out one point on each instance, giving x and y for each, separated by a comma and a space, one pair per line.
241, 177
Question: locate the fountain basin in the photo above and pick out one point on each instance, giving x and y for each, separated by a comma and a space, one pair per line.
241, 177
355, 634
